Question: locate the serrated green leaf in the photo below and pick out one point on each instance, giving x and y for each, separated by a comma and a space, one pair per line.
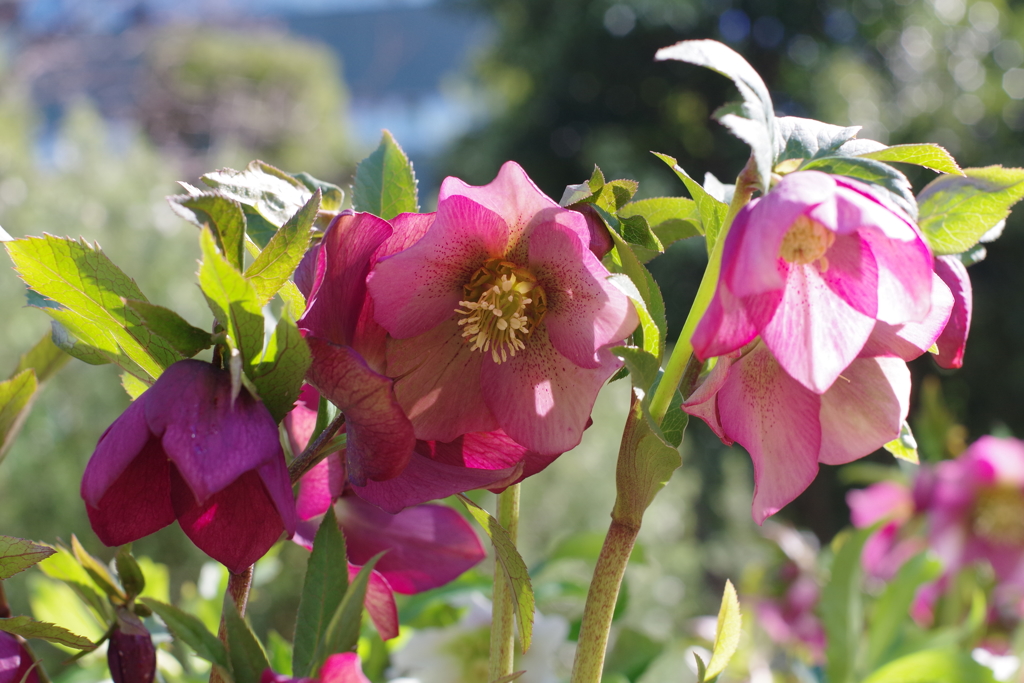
727, 635
190, 630
269, 192
279, 374
712, 212
574, 194
232, 299
754, 121
246, 655
45, 359
927, 155
333, 196
91, 291
904, 446
801, 138
512, 568
281, 256
674, 425
295, 303
128, 572
596, 181
96, 570
76, 348
946, 665
702, 670
637, 232
343, 631
841, 609
258, 229
222, 215
956, 211
18, 554
614, 194
883, 176
322, 592
385, 184
890, 610
26, 627
15, 398
165, 323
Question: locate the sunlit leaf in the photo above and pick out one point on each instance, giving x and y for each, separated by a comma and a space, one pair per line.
246, 655
232, 299
712, 212
278, 260
26, 627
279, 374
927, 155
18, 554
956, 211
189, 630
222, 215
385, 184
727, 635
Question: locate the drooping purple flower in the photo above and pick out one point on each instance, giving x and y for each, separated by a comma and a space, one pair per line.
187, 450
15, 661
500, 317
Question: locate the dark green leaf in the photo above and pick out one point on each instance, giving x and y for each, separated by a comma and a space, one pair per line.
128, 571
614, 194
233, 301
894, 183
712, 212
632, 652
946, 665
15, 399
189, 630
17, 554
807, 139
281, 256
279, 374
246, 655
322, 592
385, 184
269, 192
223, 216
636, 231
956, 211
842, 611
674, 425
928, 155
727, 635
165, 323
45, 359
512, 567
333, 196
26, 627
259, 230
343, 631
891, 609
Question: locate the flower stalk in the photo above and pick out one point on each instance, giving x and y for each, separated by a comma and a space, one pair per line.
238, 592
312, 455
502, 609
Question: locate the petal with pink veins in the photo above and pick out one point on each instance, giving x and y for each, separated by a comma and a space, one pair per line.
852, 273
904, 277
379, 602
320, 486
910, 340
953, 339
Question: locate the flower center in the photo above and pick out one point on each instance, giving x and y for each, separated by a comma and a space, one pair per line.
806, 242
998, 516
503, 305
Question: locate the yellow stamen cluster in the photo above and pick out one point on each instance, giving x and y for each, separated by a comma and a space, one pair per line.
806, 242
998, 516
503, 305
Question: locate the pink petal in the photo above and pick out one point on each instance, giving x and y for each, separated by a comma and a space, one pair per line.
320, 486
541, 398
703, 402
16, 665
425, 479
886, 499
379, 602
334, 306
277, 483
343, 668
409, 228
300, 422
852, 274
380, 437
953, 339
725, 326
585, 312
814, 333
904, 277
910, 340
235, 526
137, 503
438, 383
118, 447
420, 287
776, 419
210, 438
427, 545
864, 409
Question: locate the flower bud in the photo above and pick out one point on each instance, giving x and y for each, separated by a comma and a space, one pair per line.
131, 658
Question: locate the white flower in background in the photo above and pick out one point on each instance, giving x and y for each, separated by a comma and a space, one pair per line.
458, 653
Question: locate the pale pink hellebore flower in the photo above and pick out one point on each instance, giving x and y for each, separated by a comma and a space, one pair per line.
500, 317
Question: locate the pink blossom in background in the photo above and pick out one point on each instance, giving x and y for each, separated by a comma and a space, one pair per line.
811, 268
340, 668
792, 620
749, 398
891, 545
187, 450
500, 317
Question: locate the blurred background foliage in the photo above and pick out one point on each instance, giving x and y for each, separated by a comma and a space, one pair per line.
103, 105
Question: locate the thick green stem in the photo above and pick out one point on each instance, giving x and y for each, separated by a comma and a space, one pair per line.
503, 623
238, 593
601, 599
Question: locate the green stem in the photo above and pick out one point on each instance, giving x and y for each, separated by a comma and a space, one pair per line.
746, 183
601, 599
502, 611
238, 593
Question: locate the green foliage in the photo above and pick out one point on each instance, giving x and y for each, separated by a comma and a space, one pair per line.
15, 396
342, 633
17, 554
165, 323
904, 446
263, 190
323, 590
670, 218
279, 259
189, 630
97, 571
842, 610
279, 374
233, 301
712, 212
894, 183
385, 184
933, 666
643, 291
727, 635
927, 155
245, 654
129, 573
221, 215
890, 611
956, 211
26, 627
803, 139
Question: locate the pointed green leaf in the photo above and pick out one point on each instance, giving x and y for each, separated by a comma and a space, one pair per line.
322, 592
15, 398
883, 176
385, 184
712, 212
890, 610
74, 347
26, 627
97, 571
928, 155
727, 636
295, 303
646, 463
614, 194
957, 211
512, 567
945, 665
45, 358
232, 299
702, 670
636, 231
269, 192
644, 292
333, 196
246, 655
132, 385
904, 446
222, 215
18, 554
343, 631
165, 323
841, 609
801, 139
279, 374
671, 218
189, 630
281, 256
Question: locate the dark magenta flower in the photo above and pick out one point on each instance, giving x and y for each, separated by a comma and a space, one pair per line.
186, 450
131, 656
500, 317
15, 661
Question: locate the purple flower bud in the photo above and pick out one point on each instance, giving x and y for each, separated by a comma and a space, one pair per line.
131, 658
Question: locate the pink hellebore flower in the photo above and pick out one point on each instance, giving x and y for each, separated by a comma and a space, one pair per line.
500, 316
15, 661
812, 267
187, 450
791, 619
953, 339
340, 668
890, 546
